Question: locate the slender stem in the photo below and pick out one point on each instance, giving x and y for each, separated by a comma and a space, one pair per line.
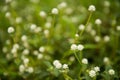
67, 77
86, 23
77, 57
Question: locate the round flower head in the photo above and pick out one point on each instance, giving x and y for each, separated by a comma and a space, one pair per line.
73, 47
81, 27
65, 66
80, 47
92, 73
111, 72
118, 28
96, 68
98, 21
91, 8
84, 61
42, 14
55, 11
11, 30
57, 64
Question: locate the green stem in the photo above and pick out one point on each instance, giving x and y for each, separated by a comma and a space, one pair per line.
77, 57
86, 23
67, 77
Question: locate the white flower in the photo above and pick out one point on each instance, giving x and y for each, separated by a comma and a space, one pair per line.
97, 38
25, 52
35, 52
65, 66
106, 60
93, 32
91, 8
62, 5
42, 14
21, 68
80, 47
16, 46
73, 47
106, 3
118, 28
37, 29
11, 30
81, 27
76, 35
57, 64
18, 20
24, 38
30, 69
54, 11
48, 24
42, 49
106, 38
25, 60
40, 56
111, 72
96, 68
33, 27
84, 61
8, 15
92, 73
46, 32
98, 21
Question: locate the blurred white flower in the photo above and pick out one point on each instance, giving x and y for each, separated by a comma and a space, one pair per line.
106, 38
35, 52
57, 64
93, 32
111, 72
97, 68
81, 27
4, 49
46, 32
65, 66
7, 14
84, 61
98, 21
42, 14
33, 27
26, 61
25, 51
22, 68
106, 3
30, 69
97, 38
40, 56
106, 60
80, 47
92, 73
73, 47
54, 11
91, 8
24, 38
118, 28
62, 5
42, 49
18, 20
76, 35
48, 24
11, 30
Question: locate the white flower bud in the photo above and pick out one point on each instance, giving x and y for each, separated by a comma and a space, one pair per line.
91, 8
18, 20
92, 73
73, 47
62, 5
11, 30
42, 49
81, 27
8, 15
65, 66
21, 68
106, 38
97, 38
98, 21
54, 11
96, 68
84, 61
80, 47
106, 60
24, 38
40, 56
25, 52
57, 64
118, 28
111, 72
42, 14
33, 27
30, 69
